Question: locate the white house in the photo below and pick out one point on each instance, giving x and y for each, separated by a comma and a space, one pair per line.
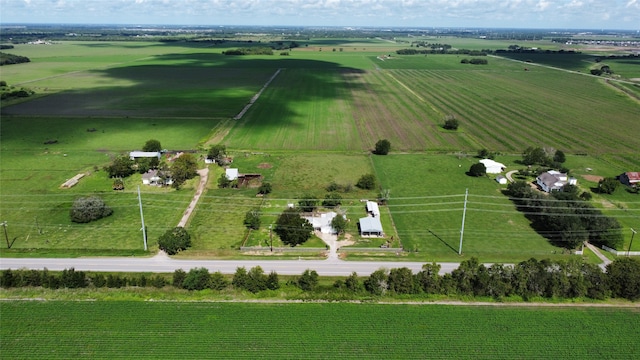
144, 154
553, 180
322, 222
155, 177
493, 167
372, 208
370, 226
232, 174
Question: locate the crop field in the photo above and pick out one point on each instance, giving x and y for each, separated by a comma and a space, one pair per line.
173, 330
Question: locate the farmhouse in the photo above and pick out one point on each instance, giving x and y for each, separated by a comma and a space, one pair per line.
370, 226
144, 154
157, 178
631, 178
322, 222
554, 180
372, 208
493, 167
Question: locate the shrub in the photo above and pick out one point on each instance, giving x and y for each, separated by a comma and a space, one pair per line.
451, 123
478, 169
367, 182
265, 188
87, 209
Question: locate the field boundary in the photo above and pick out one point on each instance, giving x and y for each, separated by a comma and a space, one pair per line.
256, 96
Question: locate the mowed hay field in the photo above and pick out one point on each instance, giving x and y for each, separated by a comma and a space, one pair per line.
175, 330
315, 123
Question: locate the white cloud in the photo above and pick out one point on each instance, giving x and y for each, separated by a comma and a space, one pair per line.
463, 13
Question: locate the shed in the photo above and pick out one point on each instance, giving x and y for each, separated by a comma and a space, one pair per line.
232, 174
370, 226
630, 178
493, 167
501, 180
372, 208
144, 154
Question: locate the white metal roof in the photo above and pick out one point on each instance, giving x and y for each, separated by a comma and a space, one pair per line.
370, 224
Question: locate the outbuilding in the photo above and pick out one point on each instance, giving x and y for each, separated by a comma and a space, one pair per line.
493, 167
501, 180
370, 226
373, 209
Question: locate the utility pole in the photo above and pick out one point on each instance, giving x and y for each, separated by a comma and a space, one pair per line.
464, 213
270, 238
633, 232
144, 229
6, 236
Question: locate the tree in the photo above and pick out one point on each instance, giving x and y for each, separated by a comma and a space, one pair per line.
272, 281
152, 146
197, 279
533, 156
485, 154
223, 181
218, 153
401, 281
624, 278
385, 195
478, 169
451, 123
339, 224
382, 147
367, 182
240, 278
90, 208
353, 282
178, 278
308, 203
429, 279
174, 240
559, 157
308, 280
377, 283
332, 200
252, 219
218, 281
121, 166
608, 185
183, 169
293, 229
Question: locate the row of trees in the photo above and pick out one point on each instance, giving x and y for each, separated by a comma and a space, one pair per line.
564, 217
530, 279
10, 59
474, 61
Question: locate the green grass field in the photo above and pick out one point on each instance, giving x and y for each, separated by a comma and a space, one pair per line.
314, 124
175, 330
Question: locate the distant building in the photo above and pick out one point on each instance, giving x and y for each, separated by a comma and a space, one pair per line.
493, 167
157, 178
322, 222
631, 178
144, 154
501, 180
554, 180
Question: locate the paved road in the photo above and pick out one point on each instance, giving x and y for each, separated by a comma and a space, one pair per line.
164, 264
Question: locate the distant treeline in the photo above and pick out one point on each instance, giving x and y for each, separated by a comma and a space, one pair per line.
250, 51
5, 47
10, 59
564, 279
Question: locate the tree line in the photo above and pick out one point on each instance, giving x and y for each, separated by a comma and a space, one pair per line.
10, 59
530, 279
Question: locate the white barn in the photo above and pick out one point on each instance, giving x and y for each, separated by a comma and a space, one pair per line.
232, 174
144, 154
493, 167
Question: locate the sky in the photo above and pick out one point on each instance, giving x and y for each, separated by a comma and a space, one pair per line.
532, 14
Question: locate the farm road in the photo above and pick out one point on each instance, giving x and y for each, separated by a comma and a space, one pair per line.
204, 177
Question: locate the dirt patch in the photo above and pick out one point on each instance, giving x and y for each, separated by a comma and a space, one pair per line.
265, 166
593, 178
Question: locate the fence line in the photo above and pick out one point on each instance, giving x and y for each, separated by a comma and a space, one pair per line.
620, 253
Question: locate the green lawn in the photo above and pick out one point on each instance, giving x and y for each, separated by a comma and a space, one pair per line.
175, 330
